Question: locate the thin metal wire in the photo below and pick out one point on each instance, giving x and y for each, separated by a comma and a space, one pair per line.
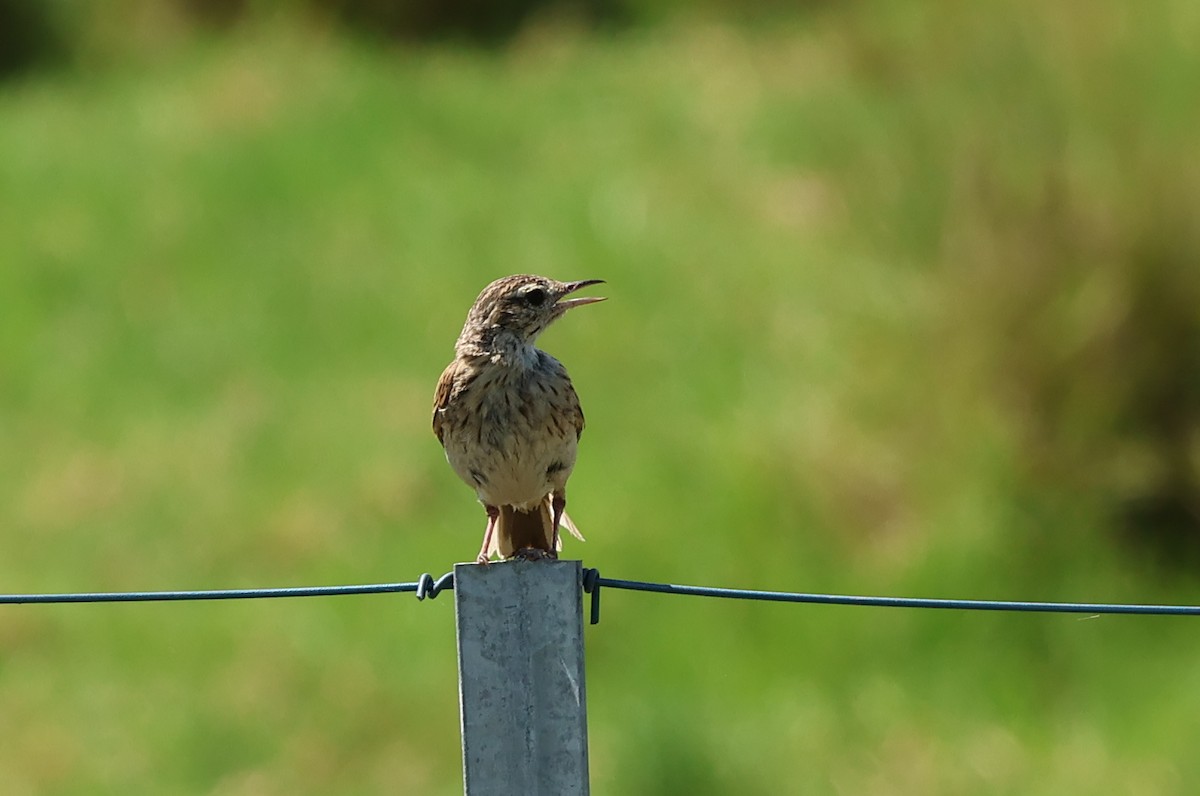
592, 583
428, 586
425, 586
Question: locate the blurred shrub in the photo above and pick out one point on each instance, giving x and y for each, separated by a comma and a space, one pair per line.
1050, 182
488, 21
28, 36
35, 32
1091, 306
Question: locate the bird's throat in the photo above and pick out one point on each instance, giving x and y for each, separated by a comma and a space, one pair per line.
500, 347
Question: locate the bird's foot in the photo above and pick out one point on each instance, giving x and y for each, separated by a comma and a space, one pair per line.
483, 558
535, 554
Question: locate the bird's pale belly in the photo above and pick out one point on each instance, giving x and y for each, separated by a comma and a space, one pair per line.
512, 469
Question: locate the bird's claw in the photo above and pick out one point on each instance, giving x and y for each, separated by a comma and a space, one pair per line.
535, 554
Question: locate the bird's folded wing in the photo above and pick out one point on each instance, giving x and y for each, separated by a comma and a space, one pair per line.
444, 392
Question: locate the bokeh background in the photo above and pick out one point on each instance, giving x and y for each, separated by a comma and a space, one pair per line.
904, 299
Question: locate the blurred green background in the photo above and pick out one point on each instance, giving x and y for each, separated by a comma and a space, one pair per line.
904, 299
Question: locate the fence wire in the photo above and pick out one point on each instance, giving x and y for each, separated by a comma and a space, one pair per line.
428, 586
592, 582
425, 586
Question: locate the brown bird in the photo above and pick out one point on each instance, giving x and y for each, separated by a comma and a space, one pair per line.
508, 416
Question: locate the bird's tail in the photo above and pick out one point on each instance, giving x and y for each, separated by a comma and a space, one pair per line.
519, 530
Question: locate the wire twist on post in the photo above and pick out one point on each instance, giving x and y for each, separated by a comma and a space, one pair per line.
591, 585
428, 587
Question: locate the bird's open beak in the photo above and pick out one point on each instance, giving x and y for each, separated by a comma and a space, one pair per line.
563, 304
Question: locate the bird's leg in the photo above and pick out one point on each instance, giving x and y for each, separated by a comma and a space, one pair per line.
493, 514
558, 504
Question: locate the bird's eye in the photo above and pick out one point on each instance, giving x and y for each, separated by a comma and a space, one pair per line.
535, 296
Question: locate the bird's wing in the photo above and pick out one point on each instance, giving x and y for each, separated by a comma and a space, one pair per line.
446, 387
576, 411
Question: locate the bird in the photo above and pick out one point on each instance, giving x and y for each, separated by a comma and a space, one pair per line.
508, 416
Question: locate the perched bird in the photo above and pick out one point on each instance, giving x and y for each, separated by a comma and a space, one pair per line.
508, 416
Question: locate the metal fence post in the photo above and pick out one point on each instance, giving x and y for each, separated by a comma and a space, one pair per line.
520, 673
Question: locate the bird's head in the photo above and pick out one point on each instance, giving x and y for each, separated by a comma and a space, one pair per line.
511, 312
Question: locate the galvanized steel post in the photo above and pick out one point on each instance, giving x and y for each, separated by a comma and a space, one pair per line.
521, 685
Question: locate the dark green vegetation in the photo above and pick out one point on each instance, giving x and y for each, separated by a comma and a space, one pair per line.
903, 300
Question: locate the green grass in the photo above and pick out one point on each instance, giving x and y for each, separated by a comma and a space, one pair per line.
233, 274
